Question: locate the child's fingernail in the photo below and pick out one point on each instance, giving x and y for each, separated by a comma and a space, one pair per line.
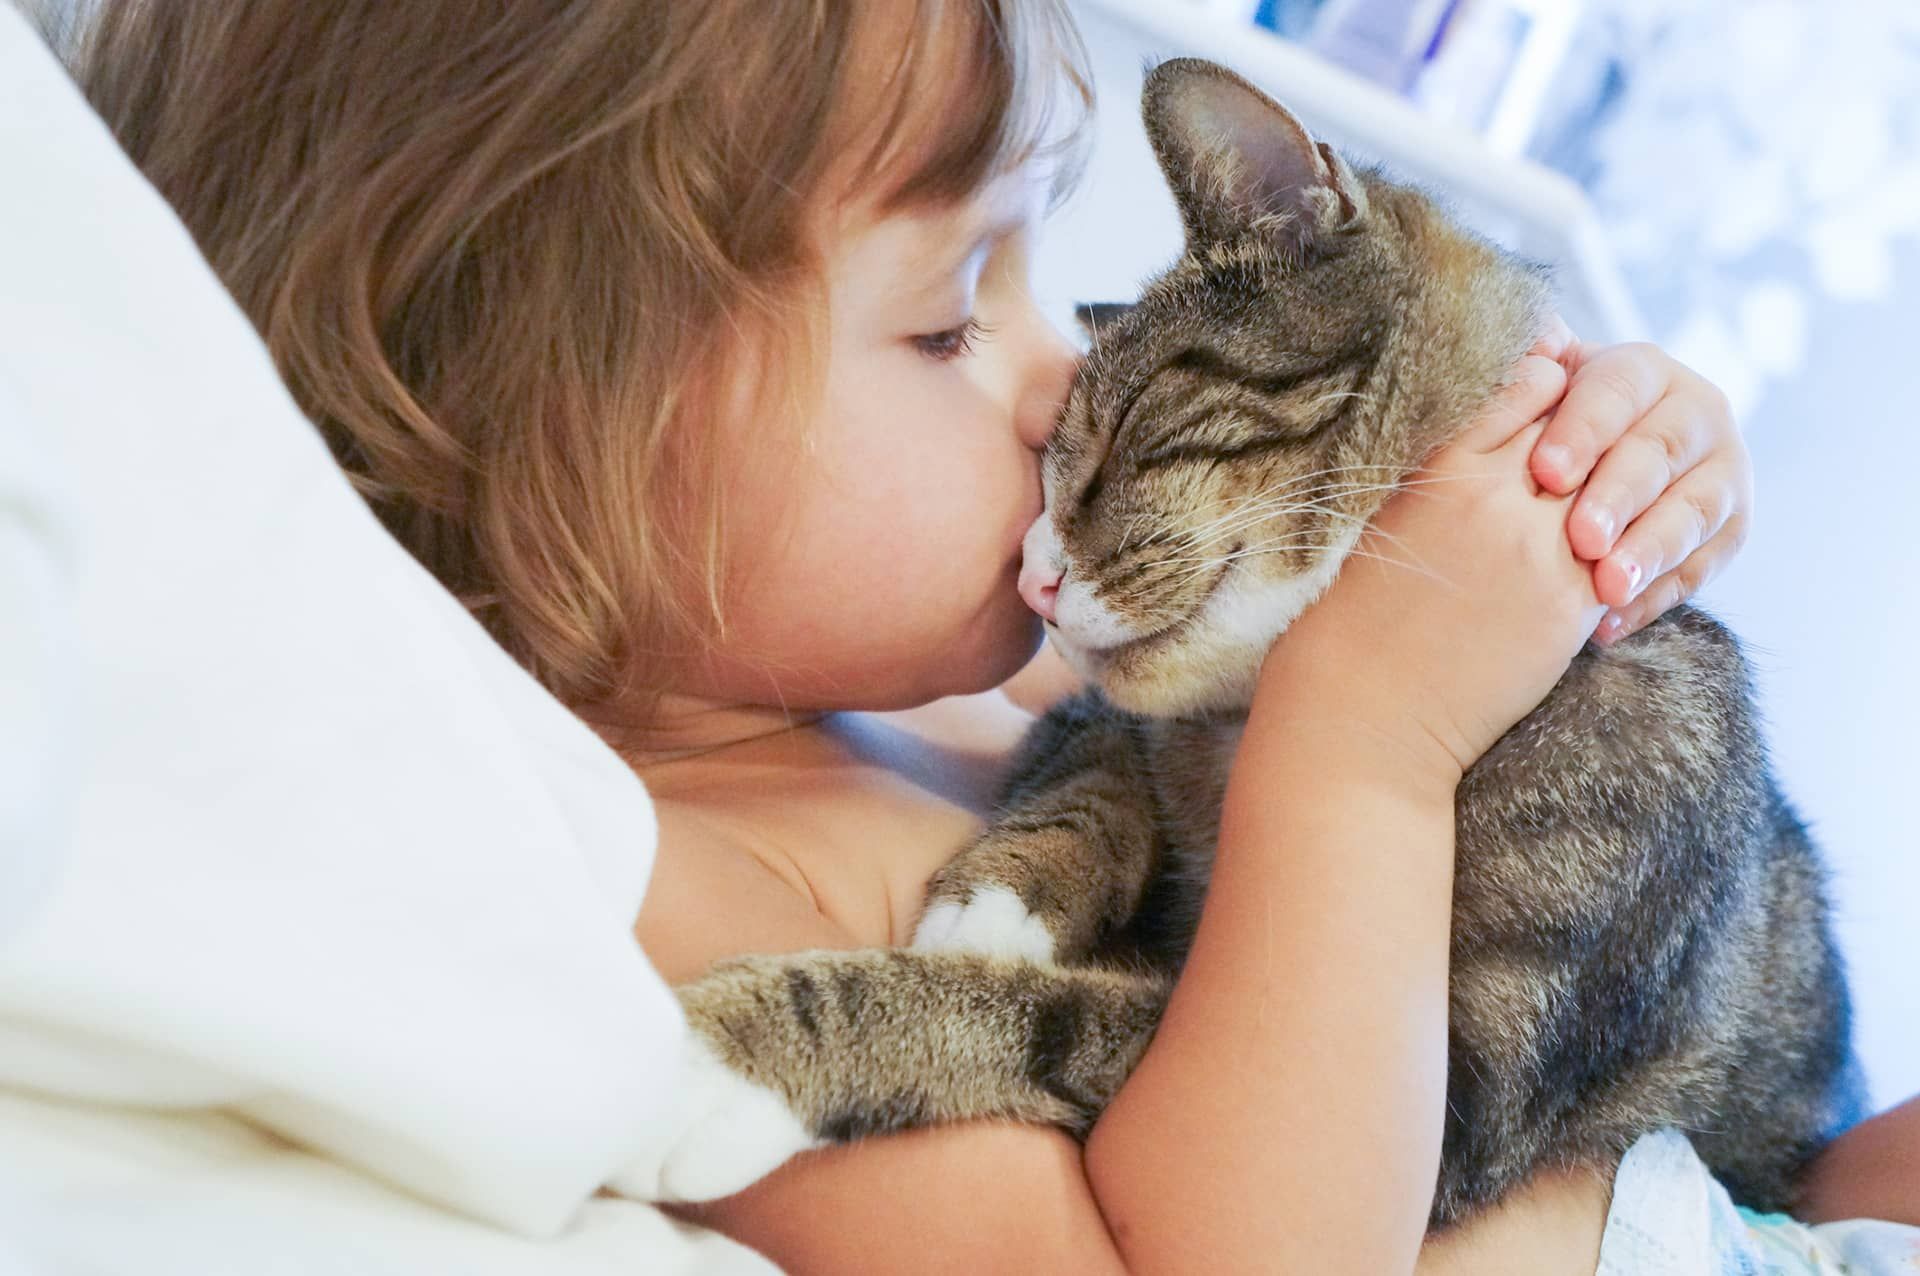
1611, 629
1557, 458
1634, 574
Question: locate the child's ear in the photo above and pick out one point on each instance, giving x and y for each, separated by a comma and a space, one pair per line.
1234, 156
1096, 315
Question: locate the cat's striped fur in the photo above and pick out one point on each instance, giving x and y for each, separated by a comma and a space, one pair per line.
1640, 936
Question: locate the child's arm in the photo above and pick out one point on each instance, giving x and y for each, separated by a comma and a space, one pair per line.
1871, 1171
1302, 1058
991, 1197
1290, 1109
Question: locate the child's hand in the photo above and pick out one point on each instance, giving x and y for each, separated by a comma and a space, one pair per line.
1463, 606
1668, 484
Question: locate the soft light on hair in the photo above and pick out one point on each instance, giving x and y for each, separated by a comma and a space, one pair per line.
513, 257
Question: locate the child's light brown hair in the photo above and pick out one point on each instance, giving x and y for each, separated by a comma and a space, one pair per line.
510, 254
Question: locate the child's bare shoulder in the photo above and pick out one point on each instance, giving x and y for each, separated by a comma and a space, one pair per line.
831, 846
712, 897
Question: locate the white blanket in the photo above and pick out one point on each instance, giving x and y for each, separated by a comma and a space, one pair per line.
315, 911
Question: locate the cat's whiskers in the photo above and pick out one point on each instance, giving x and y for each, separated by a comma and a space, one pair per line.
1295, 490
1270, 506
1309, 494
1223, 529
1418, 569
1225, 534
1265, 508
1323, 480
1290, 543
1302, 538
1355, 519
1198, 566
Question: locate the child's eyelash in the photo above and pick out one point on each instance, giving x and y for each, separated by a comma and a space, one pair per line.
954, 342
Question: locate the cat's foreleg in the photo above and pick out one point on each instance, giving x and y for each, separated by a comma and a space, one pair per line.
1048, 881
1066, 864
799, 1051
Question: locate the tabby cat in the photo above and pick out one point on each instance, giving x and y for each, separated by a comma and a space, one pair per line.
1640, 937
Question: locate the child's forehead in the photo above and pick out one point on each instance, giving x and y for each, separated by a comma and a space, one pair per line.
940, 238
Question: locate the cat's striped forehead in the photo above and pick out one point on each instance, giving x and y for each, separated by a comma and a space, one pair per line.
1227, 317
1228, 435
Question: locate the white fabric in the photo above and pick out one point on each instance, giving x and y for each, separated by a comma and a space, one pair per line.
198, 1194
286, 843
1670, 1217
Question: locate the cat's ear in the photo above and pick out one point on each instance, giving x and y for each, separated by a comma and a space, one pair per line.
1234, 156
1095, 315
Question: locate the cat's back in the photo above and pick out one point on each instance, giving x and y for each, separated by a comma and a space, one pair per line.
1672, 704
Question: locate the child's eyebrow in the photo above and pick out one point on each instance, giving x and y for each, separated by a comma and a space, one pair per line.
977, 234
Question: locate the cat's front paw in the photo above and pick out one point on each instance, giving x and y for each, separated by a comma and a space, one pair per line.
991, 920
723, 1133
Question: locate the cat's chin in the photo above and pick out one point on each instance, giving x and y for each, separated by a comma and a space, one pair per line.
1168, 677
1206, 663
1186, 696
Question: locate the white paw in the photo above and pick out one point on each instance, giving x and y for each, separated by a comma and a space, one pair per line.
723, 1133
993, 921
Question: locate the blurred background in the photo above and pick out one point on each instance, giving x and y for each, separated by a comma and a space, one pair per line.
1738, 180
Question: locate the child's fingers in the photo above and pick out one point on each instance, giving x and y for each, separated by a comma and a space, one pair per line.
1612, 390
1556, 342
1535, 386
1689, 516
1675, 587
1656, 453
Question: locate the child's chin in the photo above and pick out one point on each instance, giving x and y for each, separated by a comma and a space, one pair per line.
987, 665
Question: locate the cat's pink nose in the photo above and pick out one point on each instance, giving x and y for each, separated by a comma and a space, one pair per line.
1040, 586
1042, 567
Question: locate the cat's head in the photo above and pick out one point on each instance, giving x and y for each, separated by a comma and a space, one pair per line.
1230, 433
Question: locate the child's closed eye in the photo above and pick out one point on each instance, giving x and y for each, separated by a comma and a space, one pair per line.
952, 343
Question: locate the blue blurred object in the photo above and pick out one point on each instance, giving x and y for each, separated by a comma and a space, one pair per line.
1293, 19
1387, 41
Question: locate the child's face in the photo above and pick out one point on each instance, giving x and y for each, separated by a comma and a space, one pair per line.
882, 568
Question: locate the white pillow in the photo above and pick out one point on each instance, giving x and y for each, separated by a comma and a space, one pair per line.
281, 830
